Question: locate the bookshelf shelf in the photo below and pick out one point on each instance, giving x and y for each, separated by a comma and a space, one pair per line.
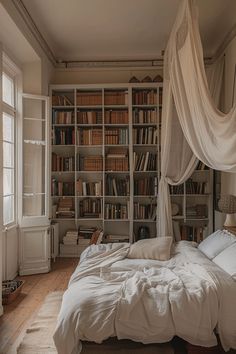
116, 132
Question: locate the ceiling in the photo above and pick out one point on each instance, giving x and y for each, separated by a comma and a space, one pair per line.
123, 29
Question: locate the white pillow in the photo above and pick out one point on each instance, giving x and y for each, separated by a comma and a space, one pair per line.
155, 248
216, 243
227, 260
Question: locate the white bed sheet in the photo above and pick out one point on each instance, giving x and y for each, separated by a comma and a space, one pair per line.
146, 301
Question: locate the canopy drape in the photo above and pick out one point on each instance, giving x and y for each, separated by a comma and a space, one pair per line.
193, 128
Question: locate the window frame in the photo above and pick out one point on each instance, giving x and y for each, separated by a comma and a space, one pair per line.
10, 69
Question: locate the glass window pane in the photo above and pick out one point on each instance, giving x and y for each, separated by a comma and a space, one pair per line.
8, 128
8, 155
8, 209
7, 90
8, 181
34, 205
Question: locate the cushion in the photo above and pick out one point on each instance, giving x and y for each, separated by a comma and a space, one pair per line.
155, 248
227, 260
216, 243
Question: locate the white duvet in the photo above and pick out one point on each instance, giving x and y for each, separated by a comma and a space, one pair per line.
145, 300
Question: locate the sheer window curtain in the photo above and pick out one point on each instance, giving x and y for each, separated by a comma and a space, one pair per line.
193, 128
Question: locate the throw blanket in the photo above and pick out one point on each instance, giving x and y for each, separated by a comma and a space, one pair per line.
145, 300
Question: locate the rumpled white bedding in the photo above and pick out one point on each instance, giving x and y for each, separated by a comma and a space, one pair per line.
145, 300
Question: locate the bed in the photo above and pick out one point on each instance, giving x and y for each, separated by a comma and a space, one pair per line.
148, 301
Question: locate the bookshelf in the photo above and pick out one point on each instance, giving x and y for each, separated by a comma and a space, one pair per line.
105, 161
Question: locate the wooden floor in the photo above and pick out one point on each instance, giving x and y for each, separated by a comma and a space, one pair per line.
36, 287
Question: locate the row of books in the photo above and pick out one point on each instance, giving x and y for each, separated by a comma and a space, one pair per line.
88, 188
62, 163
191, 233
147, 97
63, 136
117, 186
89, 137
144, 116
90, 208
116, 211
90, 163
65, 208
89, 117
59, 188
116, 117
146, 186
194, 187
176, 189
116, 163
116, 97
89, 98
145, 211
116, 136
198, 211
62, 117
146, 161
62, 100
145, 135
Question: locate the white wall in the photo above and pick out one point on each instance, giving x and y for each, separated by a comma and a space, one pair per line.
101, 76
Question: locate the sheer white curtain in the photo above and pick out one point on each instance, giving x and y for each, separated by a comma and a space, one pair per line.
193, 128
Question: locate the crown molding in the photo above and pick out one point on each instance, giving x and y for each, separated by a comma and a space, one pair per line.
34, 31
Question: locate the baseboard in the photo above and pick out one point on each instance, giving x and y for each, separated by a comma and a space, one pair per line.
34, 271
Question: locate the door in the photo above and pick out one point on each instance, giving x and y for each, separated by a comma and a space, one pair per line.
34, 186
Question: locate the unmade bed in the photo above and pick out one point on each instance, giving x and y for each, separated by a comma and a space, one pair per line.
147, 301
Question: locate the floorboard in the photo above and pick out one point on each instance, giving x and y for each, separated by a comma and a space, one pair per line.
36, 287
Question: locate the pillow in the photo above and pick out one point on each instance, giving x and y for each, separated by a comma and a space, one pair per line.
227, 260
216, 243
156, 248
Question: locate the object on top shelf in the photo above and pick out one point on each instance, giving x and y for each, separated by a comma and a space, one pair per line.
158, 78
134, 79
63, 99
146, 79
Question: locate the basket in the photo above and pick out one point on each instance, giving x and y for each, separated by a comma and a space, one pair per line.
11, 290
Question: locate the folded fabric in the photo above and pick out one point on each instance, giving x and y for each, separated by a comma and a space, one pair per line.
156, 248
216, 243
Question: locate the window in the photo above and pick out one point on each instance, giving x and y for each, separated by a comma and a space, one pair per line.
8, 145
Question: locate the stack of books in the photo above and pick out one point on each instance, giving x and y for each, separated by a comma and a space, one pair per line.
71, 237
85, 235
65, 208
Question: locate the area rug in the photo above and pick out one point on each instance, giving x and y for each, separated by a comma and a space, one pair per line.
38, 337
